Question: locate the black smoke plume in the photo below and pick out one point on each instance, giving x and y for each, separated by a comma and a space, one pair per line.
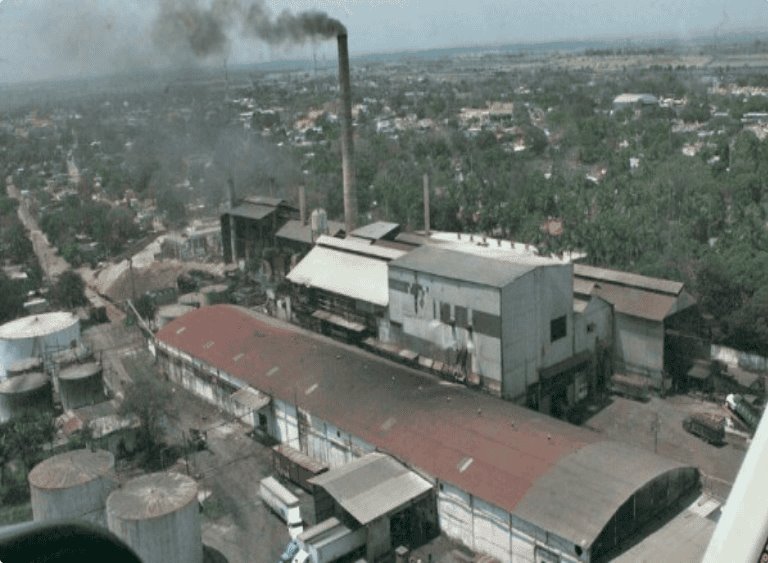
205, 28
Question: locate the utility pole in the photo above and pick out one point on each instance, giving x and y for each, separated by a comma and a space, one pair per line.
655, 427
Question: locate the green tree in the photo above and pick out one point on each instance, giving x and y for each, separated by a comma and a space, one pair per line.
69, 291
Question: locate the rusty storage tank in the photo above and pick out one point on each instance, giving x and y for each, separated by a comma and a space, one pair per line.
169, 313
26, 365
30, 393
157, 515
37, 336
81, 385
214, 294
73, 484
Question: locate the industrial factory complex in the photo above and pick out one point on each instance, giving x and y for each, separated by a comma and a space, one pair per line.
419, 387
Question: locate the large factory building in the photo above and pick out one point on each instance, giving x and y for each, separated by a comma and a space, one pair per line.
510, 482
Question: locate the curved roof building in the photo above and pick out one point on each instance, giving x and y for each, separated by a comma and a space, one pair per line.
536, 476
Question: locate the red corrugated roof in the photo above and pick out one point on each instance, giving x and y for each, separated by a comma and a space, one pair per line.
411, 415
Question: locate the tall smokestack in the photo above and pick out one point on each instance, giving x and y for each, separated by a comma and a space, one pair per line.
302, 205
347, 148
426, 204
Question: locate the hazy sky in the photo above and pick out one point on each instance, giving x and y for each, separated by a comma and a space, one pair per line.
52, 38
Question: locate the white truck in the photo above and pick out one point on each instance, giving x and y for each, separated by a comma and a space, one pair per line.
283, 503
328, 541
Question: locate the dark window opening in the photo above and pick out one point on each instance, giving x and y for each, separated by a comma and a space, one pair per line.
558, 328
262, 421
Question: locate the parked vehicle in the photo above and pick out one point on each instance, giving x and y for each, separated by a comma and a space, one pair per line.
708, 427
290, 551
295, 466
738, 405
283, 503
328, 541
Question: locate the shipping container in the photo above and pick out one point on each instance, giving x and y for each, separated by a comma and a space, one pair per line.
328, 541
708, 427
283, 503
295, 466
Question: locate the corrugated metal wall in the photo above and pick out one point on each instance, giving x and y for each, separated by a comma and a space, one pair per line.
638, 346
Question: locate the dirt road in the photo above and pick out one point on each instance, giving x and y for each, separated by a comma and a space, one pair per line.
52, 264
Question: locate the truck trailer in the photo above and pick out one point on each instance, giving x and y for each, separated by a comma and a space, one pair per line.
328, 541
283, 503
296, 466
744, 411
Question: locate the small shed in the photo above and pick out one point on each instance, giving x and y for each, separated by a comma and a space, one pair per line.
396, 505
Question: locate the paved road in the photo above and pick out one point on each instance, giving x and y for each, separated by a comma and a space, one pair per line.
52, 264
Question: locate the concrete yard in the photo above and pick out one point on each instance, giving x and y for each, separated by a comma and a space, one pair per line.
235, 521
632, 422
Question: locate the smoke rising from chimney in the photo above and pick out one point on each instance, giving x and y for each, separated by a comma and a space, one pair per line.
206, 29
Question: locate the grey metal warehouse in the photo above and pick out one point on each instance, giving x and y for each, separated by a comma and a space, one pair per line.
510, 482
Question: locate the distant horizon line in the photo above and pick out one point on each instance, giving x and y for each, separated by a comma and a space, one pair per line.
702, 37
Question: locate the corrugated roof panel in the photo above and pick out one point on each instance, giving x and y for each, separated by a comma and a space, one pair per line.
509, 460
491, 270
637, 302
293, 230
376, 231
627, 279
588, 486
343, 273
360, 246
372, 486
251, 211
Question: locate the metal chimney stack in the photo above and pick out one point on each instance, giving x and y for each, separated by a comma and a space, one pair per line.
347, 148
426, 204
302, 205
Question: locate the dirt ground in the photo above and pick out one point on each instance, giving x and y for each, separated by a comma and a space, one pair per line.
632, 422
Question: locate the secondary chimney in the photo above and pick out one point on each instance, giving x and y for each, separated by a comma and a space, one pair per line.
302, 205
231, 192
426, 205
347, 148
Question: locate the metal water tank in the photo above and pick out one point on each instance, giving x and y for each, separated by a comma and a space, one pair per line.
170, 313
157, 515
37, 336
73, 484
30, 393
81, 385
27, 365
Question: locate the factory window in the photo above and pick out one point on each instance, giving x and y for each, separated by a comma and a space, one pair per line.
445, 313
558, 328
461, 316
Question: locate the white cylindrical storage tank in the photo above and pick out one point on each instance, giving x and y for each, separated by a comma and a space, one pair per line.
74, 484
30, 393
37, 336
27, 365
214, 294
170, 313
157, 515
195, 300
81, 385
